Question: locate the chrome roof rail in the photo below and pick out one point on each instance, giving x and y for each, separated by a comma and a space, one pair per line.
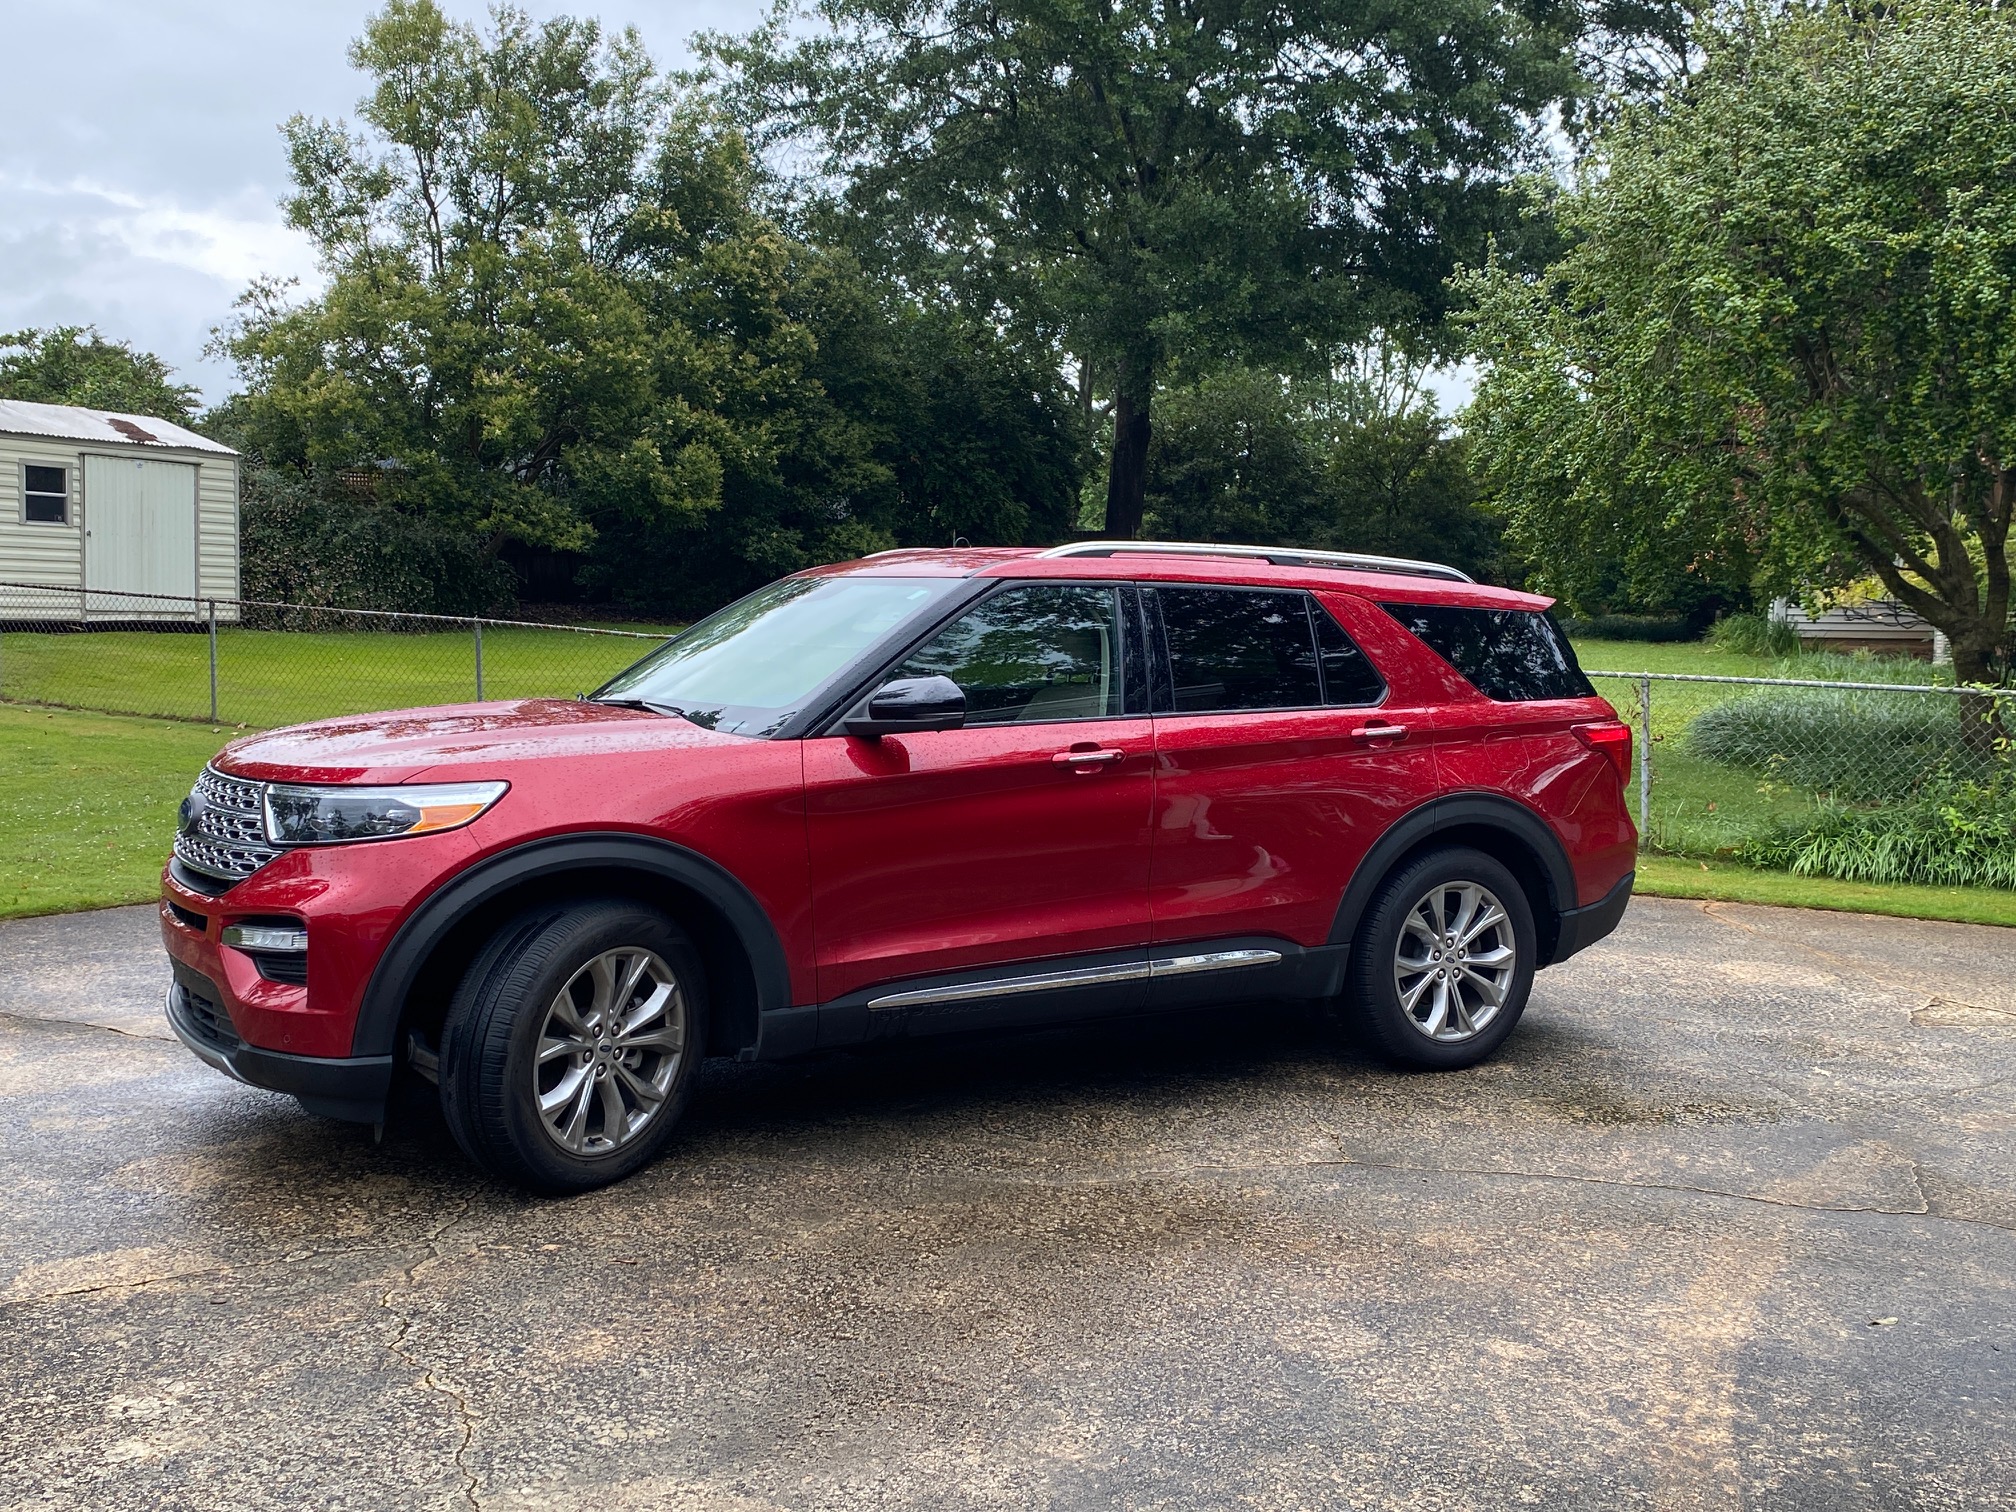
1279, 556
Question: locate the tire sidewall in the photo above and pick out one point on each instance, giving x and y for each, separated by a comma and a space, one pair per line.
490, 1041
1377, 996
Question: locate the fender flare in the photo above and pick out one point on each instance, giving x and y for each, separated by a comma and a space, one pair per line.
1460, 811
401, 963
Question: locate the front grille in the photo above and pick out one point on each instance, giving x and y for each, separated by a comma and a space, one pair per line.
206, 1020
229, 863
223, 829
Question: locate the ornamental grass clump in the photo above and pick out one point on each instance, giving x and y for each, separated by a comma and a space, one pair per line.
1854, 746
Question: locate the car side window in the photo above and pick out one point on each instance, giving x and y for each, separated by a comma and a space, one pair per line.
1238, 648
1031, 656
1349, 678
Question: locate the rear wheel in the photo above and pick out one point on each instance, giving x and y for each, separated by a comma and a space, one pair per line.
1444, 959
570, 1048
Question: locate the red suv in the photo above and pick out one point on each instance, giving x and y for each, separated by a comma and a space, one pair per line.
925, 792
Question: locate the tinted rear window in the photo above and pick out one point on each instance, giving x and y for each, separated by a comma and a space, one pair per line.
1512, 655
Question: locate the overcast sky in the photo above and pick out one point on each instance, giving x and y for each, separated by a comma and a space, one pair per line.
140, 158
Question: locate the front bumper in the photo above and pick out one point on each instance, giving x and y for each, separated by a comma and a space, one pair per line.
353, 1088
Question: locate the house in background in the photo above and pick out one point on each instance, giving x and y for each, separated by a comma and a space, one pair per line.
1879, 625
113, 518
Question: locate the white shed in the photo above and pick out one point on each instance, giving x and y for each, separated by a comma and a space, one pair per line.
114, 505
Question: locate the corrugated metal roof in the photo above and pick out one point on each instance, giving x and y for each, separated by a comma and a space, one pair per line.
70, 422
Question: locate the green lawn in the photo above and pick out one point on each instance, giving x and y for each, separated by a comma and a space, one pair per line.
1686, 877
87, 805
269, 677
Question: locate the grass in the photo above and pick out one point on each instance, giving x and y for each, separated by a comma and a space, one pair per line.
1685, 877
87, 805
270, 677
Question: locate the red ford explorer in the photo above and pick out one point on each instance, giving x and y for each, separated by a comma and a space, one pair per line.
927, 792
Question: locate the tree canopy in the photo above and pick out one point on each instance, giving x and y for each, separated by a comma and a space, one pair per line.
1776, 355
1162, 187
554, 315
76, 365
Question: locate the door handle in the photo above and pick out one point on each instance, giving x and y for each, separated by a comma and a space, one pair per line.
1087, 758
1372, 732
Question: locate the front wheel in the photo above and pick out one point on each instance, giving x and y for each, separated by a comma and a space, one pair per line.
571, 1046
1444, 959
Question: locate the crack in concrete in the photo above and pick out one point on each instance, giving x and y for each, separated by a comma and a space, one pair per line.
246, 1268
465, 1418
36, 1018
1506, 1173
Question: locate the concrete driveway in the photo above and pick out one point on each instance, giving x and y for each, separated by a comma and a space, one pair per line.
1728, 1224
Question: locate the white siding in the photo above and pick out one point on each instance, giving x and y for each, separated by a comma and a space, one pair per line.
52, 554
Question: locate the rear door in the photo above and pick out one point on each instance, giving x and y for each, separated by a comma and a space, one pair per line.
1021, 837
1281, 756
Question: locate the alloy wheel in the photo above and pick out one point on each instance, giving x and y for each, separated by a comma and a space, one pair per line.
1454, 961
609, 1051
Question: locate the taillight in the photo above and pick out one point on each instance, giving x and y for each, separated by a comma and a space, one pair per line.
1613, 739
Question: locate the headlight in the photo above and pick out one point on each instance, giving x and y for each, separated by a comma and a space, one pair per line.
321, 815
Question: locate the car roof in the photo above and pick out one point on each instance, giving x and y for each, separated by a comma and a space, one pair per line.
1164, 566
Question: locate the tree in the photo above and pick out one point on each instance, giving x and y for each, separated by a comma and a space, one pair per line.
1776, 354
1162, 187
554, 316
1358, 460
76, 365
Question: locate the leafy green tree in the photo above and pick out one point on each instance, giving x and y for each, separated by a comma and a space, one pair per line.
1776, 354
1163, 187
76, 365
1357, 461
554, 316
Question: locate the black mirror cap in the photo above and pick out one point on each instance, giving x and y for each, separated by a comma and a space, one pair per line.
909, 705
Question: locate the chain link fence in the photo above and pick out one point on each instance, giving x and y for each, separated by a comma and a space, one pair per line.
1894, 781
250, 663
1867, 781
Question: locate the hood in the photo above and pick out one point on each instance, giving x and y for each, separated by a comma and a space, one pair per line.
456, 740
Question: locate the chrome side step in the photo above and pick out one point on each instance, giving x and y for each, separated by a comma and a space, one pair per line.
1086, 976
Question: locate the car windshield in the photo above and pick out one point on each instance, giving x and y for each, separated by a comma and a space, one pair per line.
748, 668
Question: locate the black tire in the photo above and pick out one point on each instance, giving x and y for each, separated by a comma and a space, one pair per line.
1373, 984
491, 1074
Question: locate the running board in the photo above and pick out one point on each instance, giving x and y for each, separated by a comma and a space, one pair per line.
1088, 976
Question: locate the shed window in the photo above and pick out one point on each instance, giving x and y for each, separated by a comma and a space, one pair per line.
45, 495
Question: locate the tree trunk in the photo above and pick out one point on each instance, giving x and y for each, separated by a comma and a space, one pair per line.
1127, 480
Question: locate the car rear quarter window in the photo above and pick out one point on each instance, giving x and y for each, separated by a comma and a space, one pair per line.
1510, 655
1234, 649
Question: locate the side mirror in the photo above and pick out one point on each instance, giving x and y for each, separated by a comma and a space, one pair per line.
909, 705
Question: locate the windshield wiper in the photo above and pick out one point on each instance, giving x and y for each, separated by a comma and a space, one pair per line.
642, 703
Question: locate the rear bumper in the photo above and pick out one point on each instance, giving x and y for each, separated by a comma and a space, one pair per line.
354, 1089
1583, 927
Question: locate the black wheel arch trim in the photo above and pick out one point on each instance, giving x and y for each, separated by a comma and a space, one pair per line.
428, 926
1458, 811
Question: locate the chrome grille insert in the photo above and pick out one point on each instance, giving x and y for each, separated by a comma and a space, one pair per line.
223, 828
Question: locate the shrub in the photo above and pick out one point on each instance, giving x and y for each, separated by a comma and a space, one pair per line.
1857, 746
1753, 635
1654, 628
301, 545
1958, 834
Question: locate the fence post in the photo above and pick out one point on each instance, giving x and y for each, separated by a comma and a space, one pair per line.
479, 658
213, 661
1644, 761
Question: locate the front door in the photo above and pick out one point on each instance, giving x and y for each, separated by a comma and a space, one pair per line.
1021, 837
139, 527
